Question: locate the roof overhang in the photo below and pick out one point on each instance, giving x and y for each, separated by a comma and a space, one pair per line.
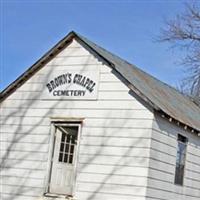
57, 49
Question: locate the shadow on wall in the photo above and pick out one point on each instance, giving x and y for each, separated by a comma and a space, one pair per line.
26, 132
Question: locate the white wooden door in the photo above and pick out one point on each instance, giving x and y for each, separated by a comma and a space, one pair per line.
64, 158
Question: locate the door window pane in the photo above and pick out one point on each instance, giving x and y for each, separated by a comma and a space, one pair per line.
67, 144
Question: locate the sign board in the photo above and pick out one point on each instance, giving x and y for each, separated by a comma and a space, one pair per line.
72, 84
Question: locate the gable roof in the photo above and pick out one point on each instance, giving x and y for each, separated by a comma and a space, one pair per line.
159, 95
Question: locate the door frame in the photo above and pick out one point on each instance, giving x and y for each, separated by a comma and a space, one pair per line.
65, 122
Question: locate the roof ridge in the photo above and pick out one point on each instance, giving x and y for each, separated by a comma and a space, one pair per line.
139, 69
158, 94
163, 96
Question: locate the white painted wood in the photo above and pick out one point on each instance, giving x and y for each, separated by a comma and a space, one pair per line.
62, 61
100, 196
35, 103
18, 197
114, 151
63, 172
23, 173
113, 132
29, 138
24, 146
115, 144
163, 159
88, 122
104, 86
28, 155
16, 129
25, 190
74, 51
118, 161
117, 189
104, 77
112, 179
87, 113
18, 181
113, 169
24, 164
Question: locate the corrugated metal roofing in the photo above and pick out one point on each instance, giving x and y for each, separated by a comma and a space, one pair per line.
163, 97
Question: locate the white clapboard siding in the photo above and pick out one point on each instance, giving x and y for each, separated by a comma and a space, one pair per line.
115, 161
28, 155
17, 196
112, 179
25, 190
104, 77
108, 77
48, 69
28, 173
163, 150
162, 166
25, 129
131, 123
156, 194
89, 122
29, 138
112, 189
192, 175
117, 132
163, 147
164, 137
162, 156
24, 164
113, 170
102, 95
193, 159
193, 150
107, 196
116, 142
104, 86
115, 138
42, 104
153, 183
87, 113
17, 146
74, 51
73, 60
193, 166
25, 181
114, 151
192, 183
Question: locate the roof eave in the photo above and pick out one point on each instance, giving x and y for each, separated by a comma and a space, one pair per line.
51, 54
37, 66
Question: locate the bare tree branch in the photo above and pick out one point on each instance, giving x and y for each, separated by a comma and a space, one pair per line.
183, 33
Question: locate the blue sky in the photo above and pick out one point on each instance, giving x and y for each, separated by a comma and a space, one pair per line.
128, 28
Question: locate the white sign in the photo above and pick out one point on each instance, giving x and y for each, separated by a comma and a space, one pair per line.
72, 84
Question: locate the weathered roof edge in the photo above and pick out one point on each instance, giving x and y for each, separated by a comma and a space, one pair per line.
50, 55
37, 65
162, 110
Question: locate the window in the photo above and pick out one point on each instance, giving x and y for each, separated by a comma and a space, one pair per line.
67, 143
180, 159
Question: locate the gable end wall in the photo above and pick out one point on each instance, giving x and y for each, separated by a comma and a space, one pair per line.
115, 140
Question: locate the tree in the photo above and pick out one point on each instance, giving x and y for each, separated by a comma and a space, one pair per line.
183, 32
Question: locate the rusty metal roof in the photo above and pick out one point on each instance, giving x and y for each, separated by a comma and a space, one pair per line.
160, 95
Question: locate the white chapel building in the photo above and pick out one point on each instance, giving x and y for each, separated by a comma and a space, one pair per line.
83, 124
